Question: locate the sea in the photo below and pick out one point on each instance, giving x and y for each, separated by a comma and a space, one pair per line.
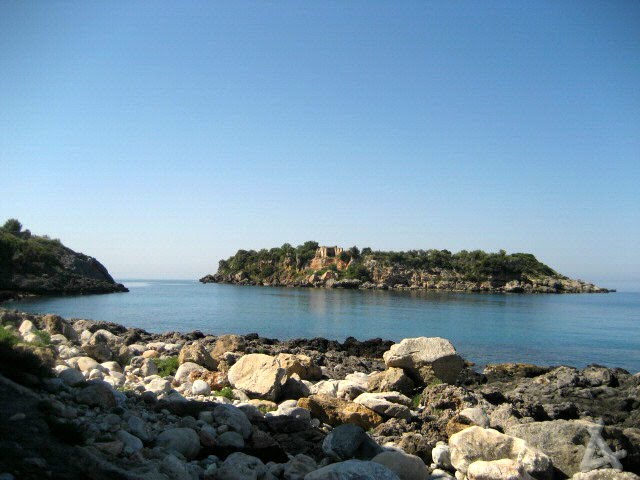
567, 329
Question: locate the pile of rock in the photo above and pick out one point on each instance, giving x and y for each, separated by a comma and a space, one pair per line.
230, 412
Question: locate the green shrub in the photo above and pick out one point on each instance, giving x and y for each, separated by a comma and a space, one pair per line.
8, 338
43, 338
226, 392
167, 366
415, 401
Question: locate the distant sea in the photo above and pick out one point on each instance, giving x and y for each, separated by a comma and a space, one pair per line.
485, 328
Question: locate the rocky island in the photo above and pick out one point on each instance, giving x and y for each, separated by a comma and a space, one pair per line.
82, 399
312, 265
39, 265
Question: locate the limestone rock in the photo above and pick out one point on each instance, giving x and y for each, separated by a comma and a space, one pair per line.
476, 443
200, 387
299, 364
196, 352
185, 370
503, 469
387, 404
605, 474
425, 358
335, 411
227, 343
391, 380
258, 375
407, 467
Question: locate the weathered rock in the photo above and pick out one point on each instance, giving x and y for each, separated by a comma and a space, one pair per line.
85, 364
185, 370
441, 455
258, 375
564, 441
503, 469
97, 394
200, 387
407, 467
197, 353
101, 345
301, 365
475, 415
234, 418
334, 411
350, 441
240, 466
605, 474
227, 343
131, 443
230, 439
476, 443
426, 358
298, 467
379, 403
215, 380
71, 376
158, 385
353, 470
182, 440
391, 380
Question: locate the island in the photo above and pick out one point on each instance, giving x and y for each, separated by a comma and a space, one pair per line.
312, 265
39, 265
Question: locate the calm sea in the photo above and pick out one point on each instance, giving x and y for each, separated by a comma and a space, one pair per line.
543, 329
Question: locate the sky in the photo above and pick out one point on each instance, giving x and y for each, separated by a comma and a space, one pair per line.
162, 136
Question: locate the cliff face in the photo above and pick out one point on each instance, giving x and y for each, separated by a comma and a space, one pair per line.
32, 264
464, 271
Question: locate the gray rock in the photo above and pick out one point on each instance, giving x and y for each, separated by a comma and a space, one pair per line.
298, 467
200, 387
230, 439
353, 470
240, 466
131, 443
441, 456
350, 441
234, 418
138, 427
71, 376
386, 404
97, 394
182, 440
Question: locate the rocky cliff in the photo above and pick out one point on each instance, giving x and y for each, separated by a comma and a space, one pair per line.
31, 264
309, 265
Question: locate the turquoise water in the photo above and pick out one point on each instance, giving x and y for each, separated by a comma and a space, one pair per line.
543, 329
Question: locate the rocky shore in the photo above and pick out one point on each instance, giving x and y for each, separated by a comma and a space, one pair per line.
96, 400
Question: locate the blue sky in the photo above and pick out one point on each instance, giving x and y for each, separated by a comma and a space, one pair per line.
162, 136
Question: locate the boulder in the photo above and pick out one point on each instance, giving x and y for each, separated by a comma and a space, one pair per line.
230, 439
84, 364
335, 411
182, 440
476, 443
350, 441
97, 394
234, 418
215, 380
407, 467
391, 380
476, 416
258, 375
298, 467
605, 474
353, 470
158, 385
441, 456
387, 404
301, 365
71, 376
200, 387
564, 441
101, 345
227, 343
131, 443
425, 359
240, 466
185, 370
503, 469
196, 352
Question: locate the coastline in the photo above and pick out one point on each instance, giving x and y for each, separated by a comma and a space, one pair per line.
411, 406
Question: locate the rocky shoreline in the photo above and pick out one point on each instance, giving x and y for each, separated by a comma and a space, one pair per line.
98, 400
408, 280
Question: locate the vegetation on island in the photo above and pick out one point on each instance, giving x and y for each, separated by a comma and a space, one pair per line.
265, 265
41, 265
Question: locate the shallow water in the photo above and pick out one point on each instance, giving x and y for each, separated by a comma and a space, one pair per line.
543, 329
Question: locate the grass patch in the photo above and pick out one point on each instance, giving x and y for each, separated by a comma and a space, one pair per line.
44, 338
167, 366
8, 338
434, 382
226, 392
264, 409
415, 401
